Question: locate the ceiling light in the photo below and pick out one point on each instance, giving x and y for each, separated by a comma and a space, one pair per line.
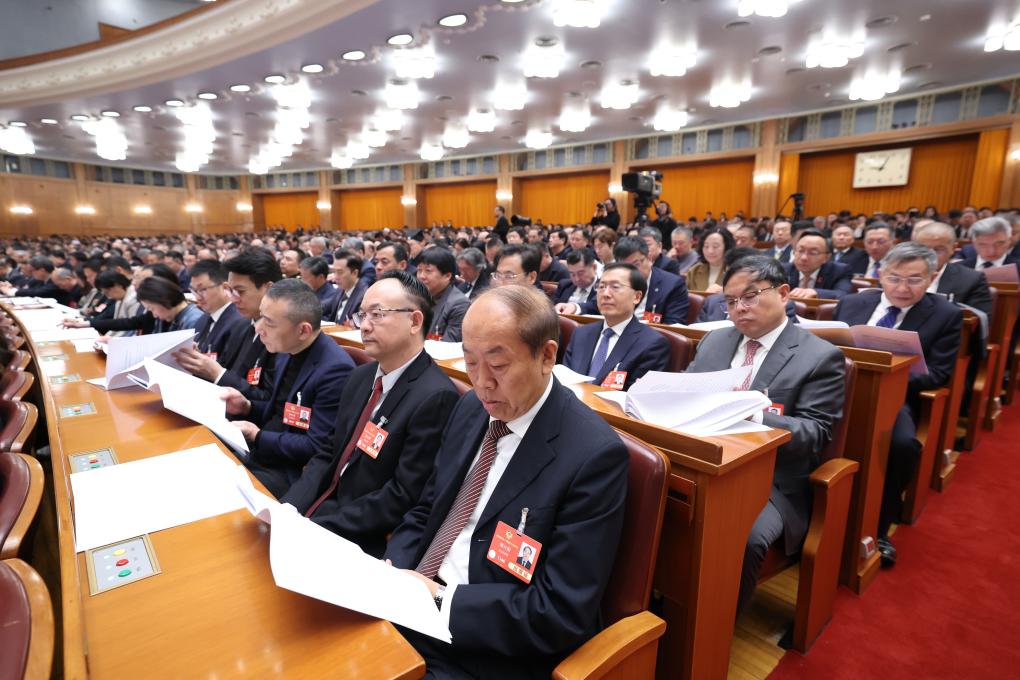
79, 117
453, 20
312, 68
340, 160
388, 120
18, 123
1004, 37
578, 13
672, 60
111, 144
873, 85
111, 114
353, 55
481, 120
84, 210
193, 208
456, 136
275, 79
510, 97
419, 62
294, 96
543, 62
143, 210
620, 95
374, 138
21, 209
359, 151
244, 207
174, 102
729, 94
765, 178
504, 195
323, 205
763, 8
575, 118
140, 109
669, 119
400, 39
831, 52
48, 121
431, 152
401, 94
538, 139
240, 87
408, 201
208, 96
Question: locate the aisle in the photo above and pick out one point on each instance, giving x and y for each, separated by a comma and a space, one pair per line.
951, 606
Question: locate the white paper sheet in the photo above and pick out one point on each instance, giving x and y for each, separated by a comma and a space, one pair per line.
127, 500
340, 573
568, 377
40, 319
351, 336
444, 350
711, 325
709, 381
813, 323
891, 340
128, 354
62, 334
86, 345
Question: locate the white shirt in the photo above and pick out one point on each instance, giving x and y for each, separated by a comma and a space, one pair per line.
580, 295
766, 341
995, 263
346, 296
883, 307
934, 287
217, 314
644, 298
454, 569
617, 332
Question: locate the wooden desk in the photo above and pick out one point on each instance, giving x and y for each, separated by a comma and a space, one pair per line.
1000, 332
214, 611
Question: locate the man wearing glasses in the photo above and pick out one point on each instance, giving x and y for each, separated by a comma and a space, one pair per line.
811, 272
801, 374
620, 345
402, 400
906, 304
579, 289
209, 286
516, 265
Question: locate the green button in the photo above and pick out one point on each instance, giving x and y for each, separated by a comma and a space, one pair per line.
94, 465
124, 572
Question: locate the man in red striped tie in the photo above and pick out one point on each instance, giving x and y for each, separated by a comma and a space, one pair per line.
523, 461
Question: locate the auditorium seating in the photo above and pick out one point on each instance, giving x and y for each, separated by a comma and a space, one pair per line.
21, 490
358, 355
681, 350
695, 301
14, 385
567, 328
19, 419
26, 623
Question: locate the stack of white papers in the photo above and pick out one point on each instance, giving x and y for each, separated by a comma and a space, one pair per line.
444, 350
62, 334
339, 572
127, 500
568, 377
696, 403
813, 323
127, 356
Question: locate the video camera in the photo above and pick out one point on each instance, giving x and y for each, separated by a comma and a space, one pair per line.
646, 187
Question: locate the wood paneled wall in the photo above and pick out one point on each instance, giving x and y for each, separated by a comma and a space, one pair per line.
370, 208
466, 203
717, 186
561, 199
290, 210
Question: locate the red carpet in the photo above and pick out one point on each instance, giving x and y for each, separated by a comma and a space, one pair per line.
951, 606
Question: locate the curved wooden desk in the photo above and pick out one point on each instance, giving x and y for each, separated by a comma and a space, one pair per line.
214, 611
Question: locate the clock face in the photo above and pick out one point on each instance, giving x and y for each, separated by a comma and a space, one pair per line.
886, 168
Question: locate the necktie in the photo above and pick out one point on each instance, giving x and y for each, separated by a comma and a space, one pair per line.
987, 265
340, 306
366, 413
750, 349
838, 256
465, 503
601, 353
888, 319
204, 335
875, 269
805, 281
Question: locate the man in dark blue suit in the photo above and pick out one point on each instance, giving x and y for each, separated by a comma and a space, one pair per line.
782, 235
666, 301
522, 454
552, 268
810, 272
285, 430
992, 244
907, 271
844, 252
621, 343
209, 285
579, 289
653, 239
315, 272
474, 272
953, 280
351, 287
362, 494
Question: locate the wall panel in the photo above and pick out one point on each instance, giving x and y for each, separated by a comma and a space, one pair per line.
290, 210
466, 203
561, 199
986, 185
718, 186
370, 208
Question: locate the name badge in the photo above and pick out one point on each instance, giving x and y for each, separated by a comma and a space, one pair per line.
514, 552
775, 409
372, 439
297, 416
615, 380
651, 317
254, 374
434, 336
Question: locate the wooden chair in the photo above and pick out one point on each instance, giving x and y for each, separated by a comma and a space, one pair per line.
567, 328
19, 418
822, 552
825, 312
26, 622
861, 284
681, 350
800, 309
14, 340
14, 385
982, 392
20, 360
358, 356
626, 649
694, 304
21, 489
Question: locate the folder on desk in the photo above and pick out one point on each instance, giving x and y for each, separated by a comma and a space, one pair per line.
127, 355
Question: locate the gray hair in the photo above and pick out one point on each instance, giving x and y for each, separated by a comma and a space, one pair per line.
318, 240
473, 257
353, 243
940, 229
908, 252
302, 303
989, 226
63, 273
683, 231
653, 233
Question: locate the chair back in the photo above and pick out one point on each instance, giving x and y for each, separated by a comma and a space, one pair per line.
21, 488
358, 356
680, 350
26, 622
694, 304
825, 312
839, 429
630, 584
14, 385
861, 284
18, 419
800, 309
567, 328
20, 360
462, 387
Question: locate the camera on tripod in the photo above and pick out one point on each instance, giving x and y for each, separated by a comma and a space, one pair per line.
646, 187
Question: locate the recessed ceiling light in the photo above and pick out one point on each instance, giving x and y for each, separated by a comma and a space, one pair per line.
275, 79
902, 46
444, 98
453, 20
771, 49
48, 121
207, 95
358, 93
111, 114
488, 58
143, 109
79, 117
174, 102
400, 39
879, 22
511, 2
591, 64
240, 88
737, 24
353, 55
18, 123
924, 17
312, 68
546, 41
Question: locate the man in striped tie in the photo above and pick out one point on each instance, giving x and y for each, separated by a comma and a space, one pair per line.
522, 459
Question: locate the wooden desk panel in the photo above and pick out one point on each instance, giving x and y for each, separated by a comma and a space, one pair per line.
214, 610
1004, 317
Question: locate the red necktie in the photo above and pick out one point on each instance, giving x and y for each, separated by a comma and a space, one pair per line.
465, 503
366, 413
750, 349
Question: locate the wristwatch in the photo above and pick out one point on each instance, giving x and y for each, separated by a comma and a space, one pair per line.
438, 597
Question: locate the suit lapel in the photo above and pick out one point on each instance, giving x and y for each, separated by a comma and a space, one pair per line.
781, 352
918, 315
623, 345
654, 285
586, 348
722, 350
863, 312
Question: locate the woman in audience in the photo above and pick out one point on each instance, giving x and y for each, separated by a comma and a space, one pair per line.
165, 301
603, 240
707, 275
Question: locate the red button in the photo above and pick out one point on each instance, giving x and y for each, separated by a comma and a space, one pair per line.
121, 563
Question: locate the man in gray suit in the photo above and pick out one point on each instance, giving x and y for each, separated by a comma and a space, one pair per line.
436, 270
802, 374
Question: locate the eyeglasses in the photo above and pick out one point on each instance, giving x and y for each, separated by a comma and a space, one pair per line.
374, 315
612, 287
747, 300
201, 291
912, 281
504, 276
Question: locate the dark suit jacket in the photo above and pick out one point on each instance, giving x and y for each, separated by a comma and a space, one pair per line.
320, 382
832, 283
937, 322
242, 351
638, 350
855, 258
373, 494
215, 340
570, 470
368, 273
666, 263
326, 293
449, 314
353, 304
806, 375
184, 278
667, 295
481, 283
784, 254
557, 271
970, 262
967, 286
968, 252
567, 288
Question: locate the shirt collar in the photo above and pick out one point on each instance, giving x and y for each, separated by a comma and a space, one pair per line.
519, 426
769, 338
219, 312
997, 263
886, 304
390, 379
618, 328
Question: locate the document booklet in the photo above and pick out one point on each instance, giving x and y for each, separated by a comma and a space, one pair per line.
127, 355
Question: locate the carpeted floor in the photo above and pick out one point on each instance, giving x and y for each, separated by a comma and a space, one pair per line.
950, 608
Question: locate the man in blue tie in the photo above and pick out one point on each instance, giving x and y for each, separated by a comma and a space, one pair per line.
878, 241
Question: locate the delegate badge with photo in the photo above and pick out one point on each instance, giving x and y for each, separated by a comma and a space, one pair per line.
615, 380
515, 552
296, 415
651, 317
372, 439
254, 374
775, 409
